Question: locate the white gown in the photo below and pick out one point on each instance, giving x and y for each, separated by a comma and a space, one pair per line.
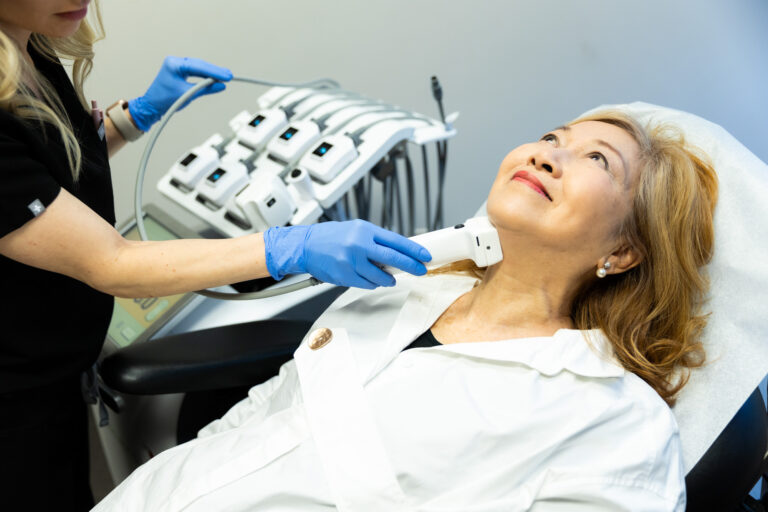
542, 424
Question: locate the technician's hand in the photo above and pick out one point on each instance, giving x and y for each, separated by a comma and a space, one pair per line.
170, 84
342, 253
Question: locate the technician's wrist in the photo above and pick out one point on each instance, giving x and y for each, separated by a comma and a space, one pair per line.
142, 113
130, 117
284, 250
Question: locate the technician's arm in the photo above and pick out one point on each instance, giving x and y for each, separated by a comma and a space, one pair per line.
70, 239
115, 141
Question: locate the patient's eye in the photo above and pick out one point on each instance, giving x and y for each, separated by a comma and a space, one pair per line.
599, 158
551, 138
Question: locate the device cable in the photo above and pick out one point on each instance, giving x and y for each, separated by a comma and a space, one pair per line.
442, 149
384, 220
400, 221
437, 93
427, 205
411, 197
442, 155
359, 189
346, 206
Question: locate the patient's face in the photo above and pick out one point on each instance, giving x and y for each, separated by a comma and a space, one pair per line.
569, 192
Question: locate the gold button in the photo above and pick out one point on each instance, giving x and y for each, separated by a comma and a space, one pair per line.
320, 338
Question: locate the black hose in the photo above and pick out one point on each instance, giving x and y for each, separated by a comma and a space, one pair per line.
400, 220
411, 199
426, 188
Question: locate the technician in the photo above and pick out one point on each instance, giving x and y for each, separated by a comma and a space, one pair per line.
62, 261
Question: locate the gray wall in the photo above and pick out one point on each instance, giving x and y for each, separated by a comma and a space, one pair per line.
514, 69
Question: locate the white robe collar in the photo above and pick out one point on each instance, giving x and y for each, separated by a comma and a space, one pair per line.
405, 311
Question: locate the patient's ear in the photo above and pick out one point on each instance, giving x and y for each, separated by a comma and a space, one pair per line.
624, 258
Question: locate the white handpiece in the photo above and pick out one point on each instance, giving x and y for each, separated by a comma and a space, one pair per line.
264, 202
476, 239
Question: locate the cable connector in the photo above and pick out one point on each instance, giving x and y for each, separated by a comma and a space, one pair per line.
356, 136
321, 124
290, 110
437, 93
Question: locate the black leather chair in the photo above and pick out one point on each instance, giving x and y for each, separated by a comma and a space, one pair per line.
215, 367
725, 474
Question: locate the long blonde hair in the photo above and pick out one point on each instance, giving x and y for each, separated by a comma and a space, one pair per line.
652, 314
21, 100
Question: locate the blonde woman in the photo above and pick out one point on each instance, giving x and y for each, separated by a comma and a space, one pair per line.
541, 384
61, 260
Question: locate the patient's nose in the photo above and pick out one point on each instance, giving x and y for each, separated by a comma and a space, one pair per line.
544, 163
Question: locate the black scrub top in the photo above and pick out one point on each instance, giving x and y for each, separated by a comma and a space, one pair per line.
51, 326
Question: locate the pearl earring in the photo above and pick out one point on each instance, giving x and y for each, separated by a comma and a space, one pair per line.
603, 271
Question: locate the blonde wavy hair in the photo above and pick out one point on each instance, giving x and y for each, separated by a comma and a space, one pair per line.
652, 314
41, 103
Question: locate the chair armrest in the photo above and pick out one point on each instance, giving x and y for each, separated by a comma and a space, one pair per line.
222, 357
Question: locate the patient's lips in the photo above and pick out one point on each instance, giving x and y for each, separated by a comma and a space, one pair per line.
529, 179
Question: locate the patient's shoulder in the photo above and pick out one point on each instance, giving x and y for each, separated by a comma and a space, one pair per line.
634, 389
630, 436
629, 392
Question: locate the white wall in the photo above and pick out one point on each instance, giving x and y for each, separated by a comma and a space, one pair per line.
514, 69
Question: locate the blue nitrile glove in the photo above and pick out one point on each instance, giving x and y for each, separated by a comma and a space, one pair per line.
342, 253
170, 83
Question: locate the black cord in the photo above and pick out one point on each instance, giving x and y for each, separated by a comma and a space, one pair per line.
391, 202
428, 205
439, 198
346, 206
444, 166
437, 93
384, 212
368, 191
411, 198
400, 220
366, 198
359, 189
442, 157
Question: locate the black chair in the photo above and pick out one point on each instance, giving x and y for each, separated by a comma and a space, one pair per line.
725, 474
215, 367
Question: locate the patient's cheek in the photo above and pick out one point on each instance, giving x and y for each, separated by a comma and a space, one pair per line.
492, 206
499, 209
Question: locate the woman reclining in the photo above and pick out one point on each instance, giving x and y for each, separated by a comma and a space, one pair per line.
541, 383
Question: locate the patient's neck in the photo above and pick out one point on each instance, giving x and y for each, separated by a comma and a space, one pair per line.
510, 302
